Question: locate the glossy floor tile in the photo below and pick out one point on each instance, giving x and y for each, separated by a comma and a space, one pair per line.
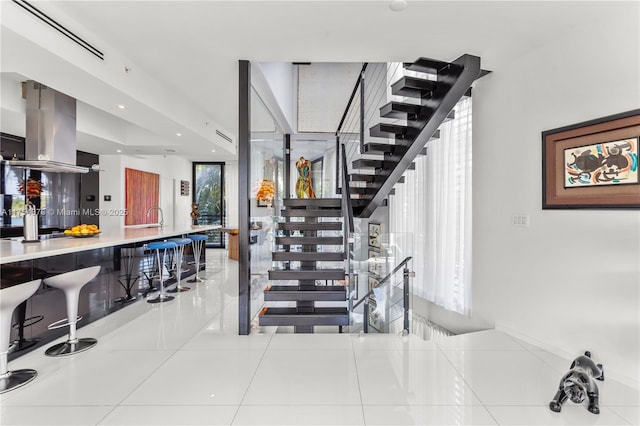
427, 415
299, 415
542, 415
183, 363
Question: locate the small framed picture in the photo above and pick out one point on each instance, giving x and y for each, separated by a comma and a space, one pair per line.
373, 255
373, 282
375, 235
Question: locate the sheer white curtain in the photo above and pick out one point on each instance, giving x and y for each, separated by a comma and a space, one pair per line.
434, 204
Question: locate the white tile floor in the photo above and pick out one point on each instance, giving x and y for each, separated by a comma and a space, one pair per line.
182, 363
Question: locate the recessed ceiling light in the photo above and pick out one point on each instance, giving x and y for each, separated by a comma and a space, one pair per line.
118, 150
213, 150
398, 5
178, 134
120, 106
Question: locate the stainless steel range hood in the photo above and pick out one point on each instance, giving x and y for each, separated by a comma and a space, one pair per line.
51, 131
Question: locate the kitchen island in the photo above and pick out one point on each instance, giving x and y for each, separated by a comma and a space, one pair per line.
13, 250
128, 274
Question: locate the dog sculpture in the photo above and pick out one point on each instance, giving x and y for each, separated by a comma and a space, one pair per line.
579, 384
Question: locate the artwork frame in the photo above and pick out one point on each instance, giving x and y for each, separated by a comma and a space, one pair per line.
373, 281
375, 235
615, 129
260, 203
372, 255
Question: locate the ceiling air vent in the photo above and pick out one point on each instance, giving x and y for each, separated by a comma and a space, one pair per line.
58, 27
223, 136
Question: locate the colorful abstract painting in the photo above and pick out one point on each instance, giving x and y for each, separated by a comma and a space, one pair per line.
142, 191
608, 163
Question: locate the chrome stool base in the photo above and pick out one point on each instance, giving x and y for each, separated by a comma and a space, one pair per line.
21, 345
161, 298
70, 348
178, 289
16, 378
196, 280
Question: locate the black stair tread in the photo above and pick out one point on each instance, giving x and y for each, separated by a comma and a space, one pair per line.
401, 180
306, 274
401, 110
310, 226
311, 213
295, 288
412, 87
359, 177
385, 148
386, 130
325, 310
333, 241
426, 65
314, 202
363, 189
367, 163
301, 256
316, 293
289, 316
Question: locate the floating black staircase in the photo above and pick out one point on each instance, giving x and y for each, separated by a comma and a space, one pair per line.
434, 101
312, 278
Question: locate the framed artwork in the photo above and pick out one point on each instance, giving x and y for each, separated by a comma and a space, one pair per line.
372, 261
592, 164
261, 203
373, 282
375, 235
142, 191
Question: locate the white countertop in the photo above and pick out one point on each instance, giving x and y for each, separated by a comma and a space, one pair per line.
16, 251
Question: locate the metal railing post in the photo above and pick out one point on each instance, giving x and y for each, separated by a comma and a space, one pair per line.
365, 321
405, 290
362, 111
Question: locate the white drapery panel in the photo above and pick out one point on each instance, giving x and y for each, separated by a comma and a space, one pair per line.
434, 204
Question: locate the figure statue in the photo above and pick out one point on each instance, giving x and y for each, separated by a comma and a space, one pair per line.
304, 188
194, 213
578, 384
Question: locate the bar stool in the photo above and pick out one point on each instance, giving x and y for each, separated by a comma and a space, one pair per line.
179, 255
71, 283
11, 297
197, 241
164, 246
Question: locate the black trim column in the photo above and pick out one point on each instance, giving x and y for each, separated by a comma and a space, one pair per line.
244, 193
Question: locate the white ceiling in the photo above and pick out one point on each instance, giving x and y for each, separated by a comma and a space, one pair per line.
183, 56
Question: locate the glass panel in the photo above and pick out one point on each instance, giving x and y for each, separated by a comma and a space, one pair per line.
374, 256
209, 195
267, 177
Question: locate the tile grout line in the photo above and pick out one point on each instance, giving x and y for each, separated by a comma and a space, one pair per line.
252, 379
355, 363
466, 383
175, 351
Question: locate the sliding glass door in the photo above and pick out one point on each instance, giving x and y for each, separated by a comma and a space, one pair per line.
208, 193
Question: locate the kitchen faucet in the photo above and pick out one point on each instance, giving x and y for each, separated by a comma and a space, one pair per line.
161, 223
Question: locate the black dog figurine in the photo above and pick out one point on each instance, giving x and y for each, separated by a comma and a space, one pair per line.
578, 383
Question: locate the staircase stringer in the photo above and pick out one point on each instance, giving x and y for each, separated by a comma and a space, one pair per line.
458, 84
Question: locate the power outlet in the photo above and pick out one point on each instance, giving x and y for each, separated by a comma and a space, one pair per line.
520, 220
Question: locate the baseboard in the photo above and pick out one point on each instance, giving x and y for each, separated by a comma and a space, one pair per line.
610, 373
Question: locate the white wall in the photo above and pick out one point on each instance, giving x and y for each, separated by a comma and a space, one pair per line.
570, 282
280, 77
172, 170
